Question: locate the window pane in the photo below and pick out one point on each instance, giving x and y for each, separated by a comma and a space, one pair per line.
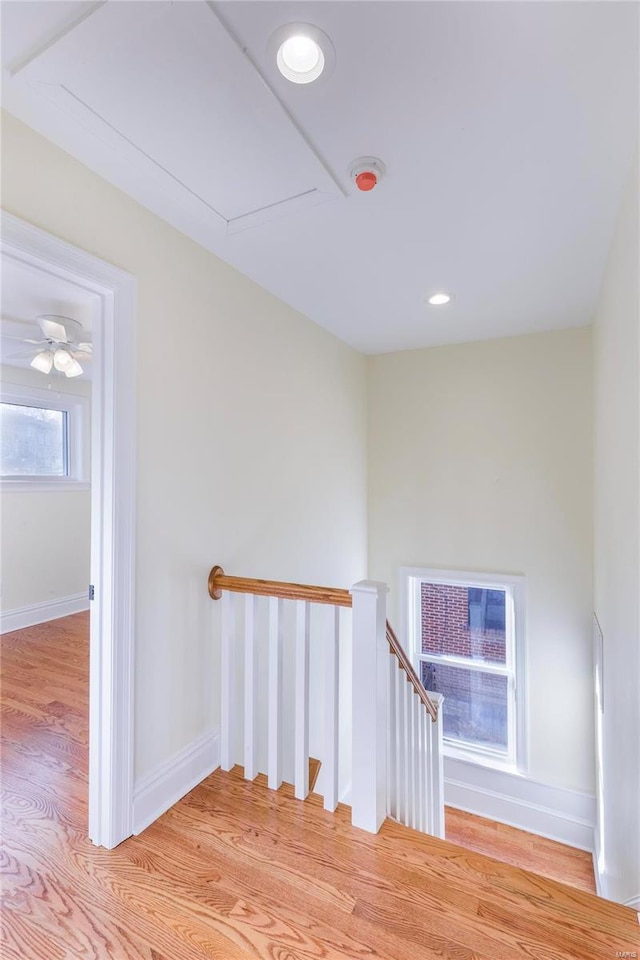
33, 441
463, 621
475, 704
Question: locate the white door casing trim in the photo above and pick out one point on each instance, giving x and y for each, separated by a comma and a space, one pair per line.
113, 461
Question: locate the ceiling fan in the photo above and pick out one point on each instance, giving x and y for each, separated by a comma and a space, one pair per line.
60, 347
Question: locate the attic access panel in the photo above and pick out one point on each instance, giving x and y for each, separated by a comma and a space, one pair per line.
168, 85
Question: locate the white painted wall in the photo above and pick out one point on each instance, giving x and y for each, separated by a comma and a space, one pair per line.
251, 434
617, 547
480, 458
45, 537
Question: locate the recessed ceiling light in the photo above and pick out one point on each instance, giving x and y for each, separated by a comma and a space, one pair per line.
300, 59
302, 52
438, 299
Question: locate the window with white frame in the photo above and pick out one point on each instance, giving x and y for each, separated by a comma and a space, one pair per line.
466, 637
44, 438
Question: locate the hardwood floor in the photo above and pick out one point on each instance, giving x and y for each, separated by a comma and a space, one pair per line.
545, 857
235, 871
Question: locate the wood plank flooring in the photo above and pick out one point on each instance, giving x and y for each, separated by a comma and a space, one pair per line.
235, 871
548, 858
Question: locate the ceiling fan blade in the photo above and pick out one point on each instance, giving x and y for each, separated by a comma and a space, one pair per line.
82, 354
53, 330
85, 347
21, 355
8, 336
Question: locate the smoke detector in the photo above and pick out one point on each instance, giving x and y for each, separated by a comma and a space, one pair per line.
367, 172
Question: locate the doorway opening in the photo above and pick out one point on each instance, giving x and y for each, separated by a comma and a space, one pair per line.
90, 461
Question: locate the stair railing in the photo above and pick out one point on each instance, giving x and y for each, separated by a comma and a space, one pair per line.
415, 775
396, 730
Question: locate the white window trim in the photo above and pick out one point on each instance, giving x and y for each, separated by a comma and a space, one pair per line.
78, 437
518, 759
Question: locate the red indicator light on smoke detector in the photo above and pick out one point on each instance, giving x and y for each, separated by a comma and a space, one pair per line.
367, 172
366, 180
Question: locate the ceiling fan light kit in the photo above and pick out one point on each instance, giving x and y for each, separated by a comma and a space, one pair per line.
42, 362
65, 363
60, 348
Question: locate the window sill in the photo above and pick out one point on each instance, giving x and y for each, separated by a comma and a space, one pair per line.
44, 486
480, 759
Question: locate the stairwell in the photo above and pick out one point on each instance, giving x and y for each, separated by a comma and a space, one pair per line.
377, 733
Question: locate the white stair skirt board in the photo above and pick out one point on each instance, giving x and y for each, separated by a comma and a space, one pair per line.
601, 879
553, 812
154, 793
602, 889
35, 613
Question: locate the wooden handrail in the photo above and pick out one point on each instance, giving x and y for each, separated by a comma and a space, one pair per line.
414, 680
219, 581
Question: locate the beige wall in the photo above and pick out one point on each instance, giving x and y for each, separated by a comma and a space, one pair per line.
251, 433
480, 458
617, 546
45, 537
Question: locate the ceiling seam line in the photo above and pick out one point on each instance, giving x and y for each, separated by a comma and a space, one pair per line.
29, 58
144, 153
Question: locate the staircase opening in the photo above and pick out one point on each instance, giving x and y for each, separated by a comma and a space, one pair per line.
547, 858
381, 753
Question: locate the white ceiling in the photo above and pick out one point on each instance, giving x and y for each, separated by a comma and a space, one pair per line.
26, 293
507, 129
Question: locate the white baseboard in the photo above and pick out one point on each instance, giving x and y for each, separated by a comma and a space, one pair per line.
345, 796
154, 793
559, 814
35, 613
634, 903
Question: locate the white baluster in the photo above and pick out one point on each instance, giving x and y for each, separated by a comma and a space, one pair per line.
250, 689
301, 748
417, 710
391, 744
422, 798
409, 755
416, 754
420, 767
426, 720
414, 759
406, 747
331, 707
274, 762
429, 772
399, 741
227, 681
437, 767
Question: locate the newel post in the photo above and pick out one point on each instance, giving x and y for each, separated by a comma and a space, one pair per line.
437, 768
370, 706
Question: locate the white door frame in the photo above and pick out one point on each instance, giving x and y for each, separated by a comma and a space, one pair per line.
113, 462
